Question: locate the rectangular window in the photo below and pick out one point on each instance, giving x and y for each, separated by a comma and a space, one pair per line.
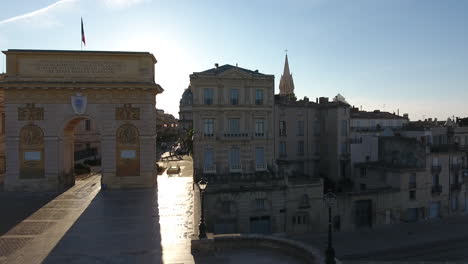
435, 179
282, 128
208, 96
260, 204
344, 128
282, 149
363, 172
412, 181
259, 155
259, 97
435, 161
344, 148
317, 128
234, 158
234, 96
209, 127
87, 125
300, 128
412, 195
234, 125
259, 127
209, 157
300, 148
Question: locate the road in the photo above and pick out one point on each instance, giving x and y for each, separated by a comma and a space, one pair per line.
435, 240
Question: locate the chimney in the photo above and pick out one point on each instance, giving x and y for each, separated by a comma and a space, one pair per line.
316, 100
405, 115
216, 65
323, 100
398, 111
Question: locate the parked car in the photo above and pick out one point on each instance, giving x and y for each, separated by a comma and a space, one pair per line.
173, 169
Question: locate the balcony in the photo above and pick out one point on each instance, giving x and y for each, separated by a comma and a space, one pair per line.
412, 185
236, 135
208, 135
260, 167
235, 168
436, 189
209, 169
436, 168
259, 134
455, 186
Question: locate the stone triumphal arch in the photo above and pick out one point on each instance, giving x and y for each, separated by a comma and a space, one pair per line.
46, 93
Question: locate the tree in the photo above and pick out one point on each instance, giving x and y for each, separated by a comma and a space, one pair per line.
188, 141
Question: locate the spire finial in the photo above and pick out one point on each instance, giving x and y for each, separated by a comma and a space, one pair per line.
286, 51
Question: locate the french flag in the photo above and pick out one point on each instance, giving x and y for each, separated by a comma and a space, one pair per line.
83, 39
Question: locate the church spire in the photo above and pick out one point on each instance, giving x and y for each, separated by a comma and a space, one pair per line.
286, 85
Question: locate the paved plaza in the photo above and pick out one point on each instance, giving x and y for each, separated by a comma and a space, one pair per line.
88, 225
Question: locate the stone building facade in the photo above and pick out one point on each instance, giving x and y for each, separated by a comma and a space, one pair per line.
234, 149
185, 111
47, 93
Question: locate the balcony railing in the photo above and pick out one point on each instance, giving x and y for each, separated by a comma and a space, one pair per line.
236, 134
235, 168
259, 134
437, 189
260, 167
412, 185
209, 169
436, 168
455, 166
208, 134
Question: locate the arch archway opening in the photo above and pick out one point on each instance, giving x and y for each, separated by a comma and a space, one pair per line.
81, 150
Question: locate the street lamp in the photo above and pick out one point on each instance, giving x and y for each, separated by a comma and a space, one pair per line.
202, 227
330, 200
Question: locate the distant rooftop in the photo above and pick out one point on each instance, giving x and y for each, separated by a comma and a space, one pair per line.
376, 114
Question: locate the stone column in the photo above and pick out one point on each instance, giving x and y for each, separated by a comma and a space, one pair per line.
108, 163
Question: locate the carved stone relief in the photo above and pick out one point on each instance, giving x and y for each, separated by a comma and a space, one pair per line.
127, 112
127, 134
30, 112
31, 135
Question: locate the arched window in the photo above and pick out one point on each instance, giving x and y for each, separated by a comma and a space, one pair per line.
128, 151
31, 152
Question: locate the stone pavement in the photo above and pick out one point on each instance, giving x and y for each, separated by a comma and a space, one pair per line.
87, 225
34, 238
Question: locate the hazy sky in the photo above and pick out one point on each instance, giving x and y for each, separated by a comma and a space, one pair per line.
410, 55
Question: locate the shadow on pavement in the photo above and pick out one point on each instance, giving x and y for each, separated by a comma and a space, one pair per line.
118, 226
17, 206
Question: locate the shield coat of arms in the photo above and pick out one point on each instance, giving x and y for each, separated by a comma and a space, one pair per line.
79, 103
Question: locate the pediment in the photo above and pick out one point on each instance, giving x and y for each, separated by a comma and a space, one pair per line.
234, 73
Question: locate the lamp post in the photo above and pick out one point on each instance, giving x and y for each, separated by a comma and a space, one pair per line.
202, 227
330, 200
